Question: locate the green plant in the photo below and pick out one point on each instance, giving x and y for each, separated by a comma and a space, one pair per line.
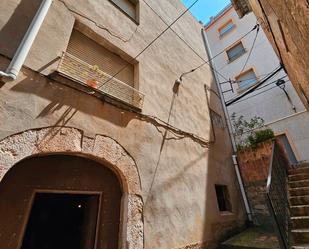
248, 133
260, 136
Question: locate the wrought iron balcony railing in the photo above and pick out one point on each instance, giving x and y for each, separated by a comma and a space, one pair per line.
277, 195
90, 75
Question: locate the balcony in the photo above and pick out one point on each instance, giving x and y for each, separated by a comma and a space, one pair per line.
92, 77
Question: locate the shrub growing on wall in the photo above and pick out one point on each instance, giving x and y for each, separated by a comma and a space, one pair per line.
249, 133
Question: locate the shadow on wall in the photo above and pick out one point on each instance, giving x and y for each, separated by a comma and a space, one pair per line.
14, 30
69, 102
220, 170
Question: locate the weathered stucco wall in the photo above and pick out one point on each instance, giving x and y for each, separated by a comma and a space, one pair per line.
177, 166
291, 38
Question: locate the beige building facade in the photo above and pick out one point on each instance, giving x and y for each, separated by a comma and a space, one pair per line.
96, 136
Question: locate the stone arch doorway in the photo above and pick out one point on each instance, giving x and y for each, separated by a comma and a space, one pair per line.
70, 142
60, 201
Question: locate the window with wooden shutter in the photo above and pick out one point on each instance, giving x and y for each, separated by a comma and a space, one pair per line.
246, 79
91, 64
226, 28
96, 55
236, 51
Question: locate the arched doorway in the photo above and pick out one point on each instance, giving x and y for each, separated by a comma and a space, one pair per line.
59, 202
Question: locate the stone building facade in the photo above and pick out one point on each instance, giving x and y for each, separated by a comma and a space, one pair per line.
101, 138
286, 26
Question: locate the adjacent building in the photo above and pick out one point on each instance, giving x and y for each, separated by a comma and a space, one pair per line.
100, 148
243, 58
285, 23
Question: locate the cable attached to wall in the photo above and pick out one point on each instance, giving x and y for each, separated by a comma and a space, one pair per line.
221, 52
149, 44
253, 88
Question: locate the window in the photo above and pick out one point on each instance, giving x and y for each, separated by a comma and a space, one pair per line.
129, 7
246, 79
226, 28
235, 52
223, 198
93, 66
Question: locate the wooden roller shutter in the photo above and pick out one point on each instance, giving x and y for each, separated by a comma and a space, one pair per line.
92, 53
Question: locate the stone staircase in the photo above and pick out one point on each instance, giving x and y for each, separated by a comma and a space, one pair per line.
299, 205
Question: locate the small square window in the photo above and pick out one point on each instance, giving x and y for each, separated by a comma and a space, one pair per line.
246, 80
223, 198
235, 52
226, 28
129, 7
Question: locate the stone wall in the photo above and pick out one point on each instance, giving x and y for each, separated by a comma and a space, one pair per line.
254, 166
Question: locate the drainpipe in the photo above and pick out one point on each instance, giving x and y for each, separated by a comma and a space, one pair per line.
21, 53
230, 130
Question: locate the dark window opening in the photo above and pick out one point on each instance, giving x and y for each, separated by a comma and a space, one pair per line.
129, 8
62, 221
223, 198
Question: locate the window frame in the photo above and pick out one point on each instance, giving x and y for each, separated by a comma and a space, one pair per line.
221, 35
231, 47
236, 78
137, 10
226, 198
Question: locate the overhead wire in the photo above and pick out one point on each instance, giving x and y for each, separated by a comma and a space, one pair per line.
221, 52
251, 49
258, 93
253, 88
149, 44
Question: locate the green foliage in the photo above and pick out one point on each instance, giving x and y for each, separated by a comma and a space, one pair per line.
260, 136
248, 133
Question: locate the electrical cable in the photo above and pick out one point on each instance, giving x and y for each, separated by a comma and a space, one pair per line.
271, 32
253, 88
239, 81
100, 26
223, 51
258, 93
272, 82
154, 40
251, 49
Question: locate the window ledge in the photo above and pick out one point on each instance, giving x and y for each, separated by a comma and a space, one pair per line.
221, 36
226, 213
245, 89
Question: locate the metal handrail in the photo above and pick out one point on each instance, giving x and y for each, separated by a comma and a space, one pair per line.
277, 196
82, 72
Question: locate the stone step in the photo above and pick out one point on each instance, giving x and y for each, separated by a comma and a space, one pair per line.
299, 184
299, 191
304, 168
301, 210
302, 246
298, 177
299, 222
300, 235
299, 200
